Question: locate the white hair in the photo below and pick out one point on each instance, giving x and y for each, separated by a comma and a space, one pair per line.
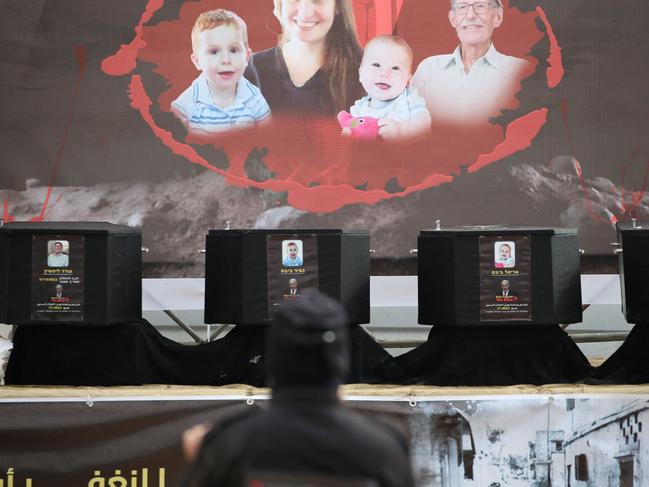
498, 3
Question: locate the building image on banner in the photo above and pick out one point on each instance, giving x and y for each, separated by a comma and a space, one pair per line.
541, 442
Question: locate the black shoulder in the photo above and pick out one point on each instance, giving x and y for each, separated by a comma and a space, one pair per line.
228, 417
261, 63
221, 446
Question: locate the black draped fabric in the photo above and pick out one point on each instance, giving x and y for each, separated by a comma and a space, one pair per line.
630, 363
370, 362
136, 353
129, 354
495, 356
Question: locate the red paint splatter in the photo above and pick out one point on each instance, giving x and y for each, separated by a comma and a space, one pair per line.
141, 102
82, 61
323, 198
596, 216
319, 199
630, 201
6, 216
519, 136
563, 108
125, 59
554, 71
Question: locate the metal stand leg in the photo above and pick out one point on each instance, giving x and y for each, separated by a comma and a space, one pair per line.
180, 323
218, 332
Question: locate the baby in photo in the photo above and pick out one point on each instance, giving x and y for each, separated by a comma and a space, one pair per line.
385, 72
504, 256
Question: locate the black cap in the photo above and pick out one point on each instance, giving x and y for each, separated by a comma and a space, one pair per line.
308, 343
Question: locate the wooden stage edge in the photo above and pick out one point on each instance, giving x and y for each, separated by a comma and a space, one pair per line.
352, 392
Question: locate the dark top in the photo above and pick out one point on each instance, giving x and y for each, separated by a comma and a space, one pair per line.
303, 433
267, 69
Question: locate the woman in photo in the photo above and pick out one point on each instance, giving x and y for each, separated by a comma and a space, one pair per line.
314, 68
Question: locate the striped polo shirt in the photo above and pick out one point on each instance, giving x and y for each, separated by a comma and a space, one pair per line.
196, 106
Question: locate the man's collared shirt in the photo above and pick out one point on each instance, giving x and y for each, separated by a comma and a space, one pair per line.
196, 106
455, 96
60, 260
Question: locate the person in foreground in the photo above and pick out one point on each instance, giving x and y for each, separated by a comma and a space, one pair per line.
307, 434
475, 82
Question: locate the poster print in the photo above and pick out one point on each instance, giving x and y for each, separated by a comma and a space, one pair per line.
292, 267
58, 263
542, 440
505, 278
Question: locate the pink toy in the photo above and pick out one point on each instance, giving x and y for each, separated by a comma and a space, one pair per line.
360, 127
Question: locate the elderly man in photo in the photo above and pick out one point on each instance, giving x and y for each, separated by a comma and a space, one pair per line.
475, 82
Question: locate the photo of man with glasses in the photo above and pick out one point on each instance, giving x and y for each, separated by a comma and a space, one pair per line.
475, 82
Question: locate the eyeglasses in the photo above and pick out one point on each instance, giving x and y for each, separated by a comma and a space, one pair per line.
478, 7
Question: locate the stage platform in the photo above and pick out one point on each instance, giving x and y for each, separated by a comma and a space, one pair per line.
349, 392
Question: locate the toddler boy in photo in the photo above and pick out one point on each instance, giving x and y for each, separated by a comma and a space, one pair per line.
385, 71
220, 99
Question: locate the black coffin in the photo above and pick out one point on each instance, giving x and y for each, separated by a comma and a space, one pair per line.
245, 276
633, 258
456, 266
94, 279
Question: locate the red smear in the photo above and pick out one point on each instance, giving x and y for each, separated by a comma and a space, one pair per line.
519, 136
141, 102
554, 72
125, 59
6, 216
578, 168
82, 61
645, 181
589, 204
630, 201
563, 108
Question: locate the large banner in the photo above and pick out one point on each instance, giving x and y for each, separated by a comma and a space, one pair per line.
456, 441
279, 114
